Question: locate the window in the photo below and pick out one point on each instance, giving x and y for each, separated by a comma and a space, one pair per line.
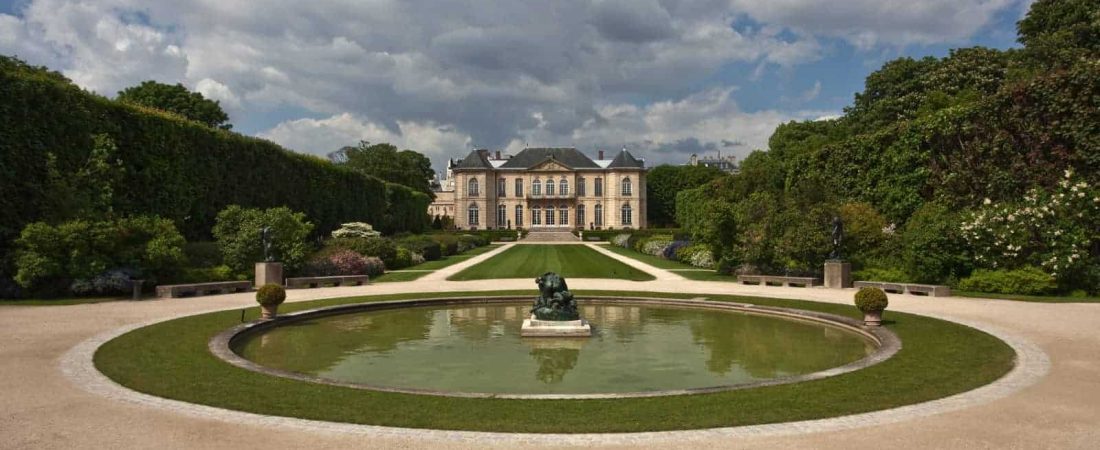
536, 188
563, 216
580, 187
549, 187
536, 216
500, 188
472, 218
502, 216
519, 187
563, 187
472, 188
598, 188
628, 187
549, 215
580, 215
598, 216
519, 215
627, 215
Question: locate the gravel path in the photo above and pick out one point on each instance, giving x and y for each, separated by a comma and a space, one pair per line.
1055, 403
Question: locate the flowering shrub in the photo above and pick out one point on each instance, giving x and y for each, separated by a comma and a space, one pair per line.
697, 255
670, 250
374, 267
656, 246
417, 258
355, 230
402, 260
621, 240
338, 261
115, 281
1052, 230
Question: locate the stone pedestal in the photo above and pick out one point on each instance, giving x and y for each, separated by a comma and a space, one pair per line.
555, 328
838, 274
269, 273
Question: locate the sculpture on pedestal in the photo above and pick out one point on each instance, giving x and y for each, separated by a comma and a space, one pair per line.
838, 237
266, 240
554, 302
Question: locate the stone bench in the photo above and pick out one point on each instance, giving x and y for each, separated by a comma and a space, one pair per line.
931, 290
768, 280
338, 280
197, 289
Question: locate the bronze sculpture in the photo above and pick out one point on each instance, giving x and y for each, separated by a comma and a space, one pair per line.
554, 302
838, 237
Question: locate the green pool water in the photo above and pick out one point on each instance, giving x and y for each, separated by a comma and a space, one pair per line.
477, 348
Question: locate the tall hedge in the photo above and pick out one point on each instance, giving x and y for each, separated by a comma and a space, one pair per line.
170, 166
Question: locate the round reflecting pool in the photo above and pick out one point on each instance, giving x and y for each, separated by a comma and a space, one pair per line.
477, 348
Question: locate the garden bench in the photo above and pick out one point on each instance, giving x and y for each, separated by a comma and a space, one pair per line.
931, 290
768, 280
338, 280
197, 289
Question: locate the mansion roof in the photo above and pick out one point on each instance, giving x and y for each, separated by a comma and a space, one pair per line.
531, 157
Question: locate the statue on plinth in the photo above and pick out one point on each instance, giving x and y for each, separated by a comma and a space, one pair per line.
838, 237
266, 240
554, 302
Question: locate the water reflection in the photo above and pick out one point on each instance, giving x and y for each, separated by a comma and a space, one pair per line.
477, 348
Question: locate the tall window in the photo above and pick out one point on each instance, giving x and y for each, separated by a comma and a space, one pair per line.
472, 218
549, 188
472, 188
536, 187
563, 215
580, 215
598, 216
549, 215
502, 216
563, 187
519, 216
580, 187
598, 188
519, 187
628, 187
627, 215
536, 216
500, 188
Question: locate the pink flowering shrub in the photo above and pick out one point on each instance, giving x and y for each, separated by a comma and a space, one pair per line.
342, 262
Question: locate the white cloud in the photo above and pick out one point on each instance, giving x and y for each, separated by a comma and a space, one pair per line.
867, 23
214, 90
321, 136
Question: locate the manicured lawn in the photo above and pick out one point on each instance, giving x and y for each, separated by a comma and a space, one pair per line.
64, 301
938, 359
431, 266
569, 261
685, 270
1028, 298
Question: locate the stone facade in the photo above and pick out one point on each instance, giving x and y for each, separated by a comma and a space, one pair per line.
549, 188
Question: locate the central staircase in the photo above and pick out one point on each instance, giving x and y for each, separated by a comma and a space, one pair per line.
550, 236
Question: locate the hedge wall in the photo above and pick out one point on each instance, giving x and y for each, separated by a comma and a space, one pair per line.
170, 166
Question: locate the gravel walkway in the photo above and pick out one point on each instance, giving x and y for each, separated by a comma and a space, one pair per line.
51, 400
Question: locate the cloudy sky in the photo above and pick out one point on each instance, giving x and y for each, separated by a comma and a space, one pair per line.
665, 78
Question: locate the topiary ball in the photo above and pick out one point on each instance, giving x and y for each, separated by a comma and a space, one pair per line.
871, 299
270, 295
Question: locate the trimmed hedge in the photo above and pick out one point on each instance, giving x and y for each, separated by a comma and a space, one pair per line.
170, 166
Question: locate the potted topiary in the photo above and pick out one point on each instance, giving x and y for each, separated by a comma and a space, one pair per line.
872, 301
270, 296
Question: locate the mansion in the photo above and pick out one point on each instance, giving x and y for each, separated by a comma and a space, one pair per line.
543, 188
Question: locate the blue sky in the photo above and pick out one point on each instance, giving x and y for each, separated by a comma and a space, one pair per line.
664, 78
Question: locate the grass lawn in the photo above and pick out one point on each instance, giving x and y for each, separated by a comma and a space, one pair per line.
569, 261
64, 301
938, 359
431, 266
685, 270
1027, 298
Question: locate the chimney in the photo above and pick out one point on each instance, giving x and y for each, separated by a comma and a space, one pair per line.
498, 154
601, 154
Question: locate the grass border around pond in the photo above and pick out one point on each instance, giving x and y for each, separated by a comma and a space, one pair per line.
938, 359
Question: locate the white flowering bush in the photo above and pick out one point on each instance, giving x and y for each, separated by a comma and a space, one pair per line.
656, 247
621, 240
417, 258
1052, 230
697, 255
355, 230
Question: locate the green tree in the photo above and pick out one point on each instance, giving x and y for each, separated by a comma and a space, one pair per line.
665, 181
384, 161
239, 233
1059, 33
178, 100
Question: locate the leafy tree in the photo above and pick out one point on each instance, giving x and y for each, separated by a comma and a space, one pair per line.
239, 233
178, 100
384, 161
1059, 33
665, 181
